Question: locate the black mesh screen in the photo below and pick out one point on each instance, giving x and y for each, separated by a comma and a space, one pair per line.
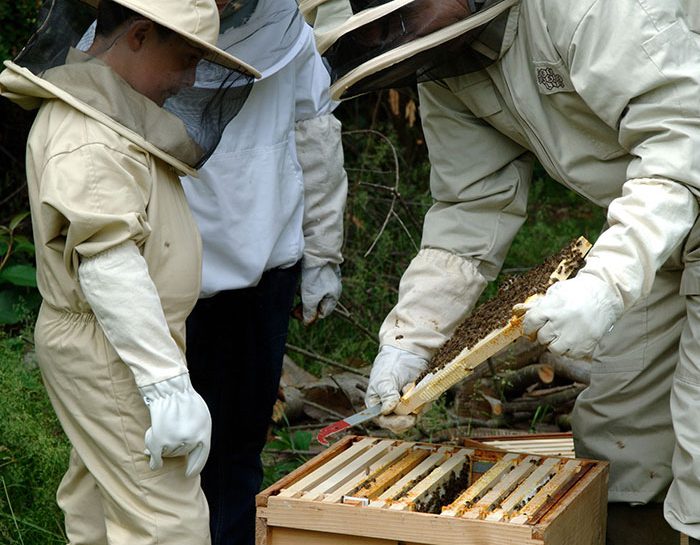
405, 25
60, 27
207, 107
217, 96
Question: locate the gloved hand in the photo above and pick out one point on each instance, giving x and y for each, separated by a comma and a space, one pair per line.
180, 423
320, 290
573, 315
393, 369
647, 223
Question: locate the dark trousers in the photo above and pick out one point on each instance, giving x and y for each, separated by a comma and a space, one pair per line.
235, 346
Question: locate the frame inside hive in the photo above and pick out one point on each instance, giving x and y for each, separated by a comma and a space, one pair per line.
449, 481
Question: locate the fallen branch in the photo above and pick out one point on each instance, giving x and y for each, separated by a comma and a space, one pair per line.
554, 400
517, 381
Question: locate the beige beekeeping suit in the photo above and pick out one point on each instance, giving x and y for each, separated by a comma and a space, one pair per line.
325, 15
91, 188
592, 118
692, 10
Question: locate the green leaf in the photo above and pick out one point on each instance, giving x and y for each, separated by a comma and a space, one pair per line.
302, 440
23, 244
19, 218
19, 275
9, 300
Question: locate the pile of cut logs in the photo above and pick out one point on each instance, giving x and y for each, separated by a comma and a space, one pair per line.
523, 387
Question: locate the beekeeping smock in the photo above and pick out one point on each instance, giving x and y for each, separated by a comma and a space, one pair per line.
120, 189
249, 201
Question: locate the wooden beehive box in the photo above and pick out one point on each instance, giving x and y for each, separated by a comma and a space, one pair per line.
372, 491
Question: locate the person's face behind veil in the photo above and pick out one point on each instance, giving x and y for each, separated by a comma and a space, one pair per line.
155, 64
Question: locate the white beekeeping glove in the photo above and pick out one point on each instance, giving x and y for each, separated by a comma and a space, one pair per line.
320, 291
649, 220
180, 423
121, 293
584, 301
393, 369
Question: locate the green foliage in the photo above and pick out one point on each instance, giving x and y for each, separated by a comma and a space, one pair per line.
541, 413
17, 20
33, 452
284, 453
19, 297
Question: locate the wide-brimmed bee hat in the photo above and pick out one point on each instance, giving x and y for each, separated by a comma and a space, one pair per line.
377, 44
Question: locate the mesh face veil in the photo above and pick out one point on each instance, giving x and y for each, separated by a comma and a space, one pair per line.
217, 95
392, 43
269, 36
55, 53
263, 32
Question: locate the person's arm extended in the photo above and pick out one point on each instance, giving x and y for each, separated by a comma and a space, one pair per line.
639, 70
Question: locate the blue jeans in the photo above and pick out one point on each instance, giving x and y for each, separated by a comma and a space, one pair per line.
235, 346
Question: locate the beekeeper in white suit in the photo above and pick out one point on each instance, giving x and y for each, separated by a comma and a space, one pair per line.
606, 95
269, 204
118, 259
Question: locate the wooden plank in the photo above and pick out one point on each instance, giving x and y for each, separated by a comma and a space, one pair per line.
262, 532
410, 527
565, 473
434, 481
481, 486
324, 471
305, 469
342, 474
526, 490
386, 479
420, 471
369, 473
506, 485
290, 536
542, 447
